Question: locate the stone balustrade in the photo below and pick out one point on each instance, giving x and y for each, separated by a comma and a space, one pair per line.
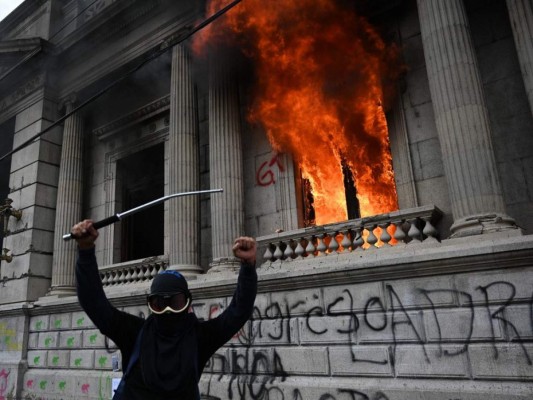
415, 225
137, 271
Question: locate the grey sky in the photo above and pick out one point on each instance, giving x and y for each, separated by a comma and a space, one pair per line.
6, 6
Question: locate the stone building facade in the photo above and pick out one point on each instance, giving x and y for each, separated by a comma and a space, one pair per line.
442, 308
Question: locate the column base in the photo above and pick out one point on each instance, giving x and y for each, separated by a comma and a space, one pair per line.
484, 223
224, 264
61, 291
190, 271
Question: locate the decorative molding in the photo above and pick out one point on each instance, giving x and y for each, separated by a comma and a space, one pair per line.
30, 86
149, 110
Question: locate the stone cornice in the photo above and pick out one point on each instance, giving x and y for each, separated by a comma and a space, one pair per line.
19, 45
31, 85
102, 12
447, 258
149, 110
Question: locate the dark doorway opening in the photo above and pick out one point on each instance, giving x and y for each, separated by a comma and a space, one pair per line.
142, 176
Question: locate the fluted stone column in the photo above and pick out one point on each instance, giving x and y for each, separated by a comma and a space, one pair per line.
69, 202
521, 16
461, 119
225, 164
183, 173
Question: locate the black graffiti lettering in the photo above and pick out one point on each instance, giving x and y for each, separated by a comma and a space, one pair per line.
353, 326
498, 315
393, 295
260, 363
296, 395
318, 311
278, 369
377, 301
354, 394
239, 362
253, 373
380, 396
275, 315
222, 360
468, 339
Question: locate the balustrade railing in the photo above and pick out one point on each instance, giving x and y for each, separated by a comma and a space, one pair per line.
132, 272
404, 227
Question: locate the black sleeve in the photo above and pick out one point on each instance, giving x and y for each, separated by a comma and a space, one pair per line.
120, 327
91, 291
215, 332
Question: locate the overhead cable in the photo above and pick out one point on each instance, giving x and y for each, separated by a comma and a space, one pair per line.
166, 45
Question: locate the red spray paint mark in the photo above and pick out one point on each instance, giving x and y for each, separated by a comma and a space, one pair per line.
3, 383
265, 174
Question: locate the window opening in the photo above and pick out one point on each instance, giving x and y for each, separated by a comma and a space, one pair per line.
142, 176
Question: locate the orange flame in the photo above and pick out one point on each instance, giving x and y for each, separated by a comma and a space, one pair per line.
318, 93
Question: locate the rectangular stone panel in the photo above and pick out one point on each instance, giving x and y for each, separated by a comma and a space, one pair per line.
430, 361
70, 339
420, 292
39, 323
293, 303
58, 359
93, 338
80, 320
103, 360
360, 361
82, 359
350, 298
37, 358
518, 322
302, 360
60, 321
48, 340
397, 326
33, 340
465, 324
511, 361
499, 286
274, 332
324, 330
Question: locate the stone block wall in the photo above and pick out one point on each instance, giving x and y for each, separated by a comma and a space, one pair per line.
464, 335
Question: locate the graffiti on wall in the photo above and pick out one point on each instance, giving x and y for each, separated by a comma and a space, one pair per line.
4, 375
256, 373
266, 173
8, 339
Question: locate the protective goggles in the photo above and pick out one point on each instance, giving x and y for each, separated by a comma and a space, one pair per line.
174, 303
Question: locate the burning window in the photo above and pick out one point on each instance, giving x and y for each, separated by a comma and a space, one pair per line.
142, 180
318, 90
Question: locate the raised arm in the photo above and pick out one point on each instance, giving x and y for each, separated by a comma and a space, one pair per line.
88, 283
219, 330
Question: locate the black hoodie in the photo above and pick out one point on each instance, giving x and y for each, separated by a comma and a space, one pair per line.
174, 347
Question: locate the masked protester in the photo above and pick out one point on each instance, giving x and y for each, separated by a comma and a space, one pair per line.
164, 355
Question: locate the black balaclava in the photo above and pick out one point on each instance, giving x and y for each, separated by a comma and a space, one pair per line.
169, 282
169, 347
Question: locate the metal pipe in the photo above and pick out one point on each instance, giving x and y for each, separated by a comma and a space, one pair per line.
118, 216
